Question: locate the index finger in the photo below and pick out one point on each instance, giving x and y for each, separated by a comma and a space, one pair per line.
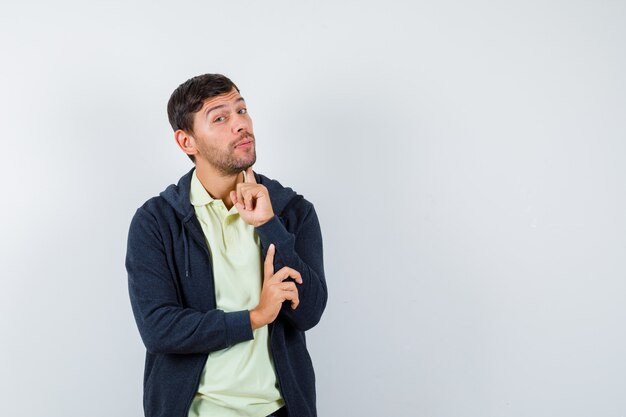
268, 265
248, 176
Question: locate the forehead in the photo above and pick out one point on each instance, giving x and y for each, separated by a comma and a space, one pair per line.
226, 98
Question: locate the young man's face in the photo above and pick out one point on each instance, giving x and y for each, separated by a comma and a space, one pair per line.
223, 133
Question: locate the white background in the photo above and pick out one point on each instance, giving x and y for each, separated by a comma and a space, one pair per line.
466, 159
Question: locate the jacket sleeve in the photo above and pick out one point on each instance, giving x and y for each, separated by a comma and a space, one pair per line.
164, 324
302, 251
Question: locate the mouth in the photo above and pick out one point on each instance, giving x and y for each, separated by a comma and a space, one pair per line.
244, 144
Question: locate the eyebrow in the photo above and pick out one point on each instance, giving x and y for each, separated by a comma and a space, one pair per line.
220, 106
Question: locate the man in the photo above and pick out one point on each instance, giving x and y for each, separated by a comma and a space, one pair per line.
225, 273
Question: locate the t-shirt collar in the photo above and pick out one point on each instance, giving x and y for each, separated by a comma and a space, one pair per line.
197, 194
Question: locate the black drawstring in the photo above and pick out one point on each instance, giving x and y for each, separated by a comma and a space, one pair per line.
186, 252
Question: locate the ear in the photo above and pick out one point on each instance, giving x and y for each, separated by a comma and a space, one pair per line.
185, 142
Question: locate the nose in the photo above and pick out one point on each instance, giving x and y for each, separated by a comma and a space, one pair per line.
241, 123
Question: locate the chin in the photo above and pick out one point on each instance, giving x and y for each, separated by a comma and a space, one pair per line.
250, 162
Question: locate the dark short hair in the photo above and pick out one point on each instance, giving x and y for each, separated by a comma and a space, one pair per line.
189, 97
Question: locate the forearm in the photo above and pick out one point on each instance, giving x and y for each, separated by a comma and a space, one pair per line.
304, 253
165, 325
313, 297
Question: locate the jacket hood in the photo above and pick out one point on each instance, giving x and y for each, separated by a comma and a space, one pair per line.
177, 195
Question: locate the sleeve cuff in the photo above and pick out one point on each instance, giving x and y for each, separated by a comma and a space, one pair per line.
272, 231
238, 327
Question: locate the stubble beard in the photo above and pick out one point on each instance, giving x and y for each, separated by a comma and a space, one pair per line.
225, 162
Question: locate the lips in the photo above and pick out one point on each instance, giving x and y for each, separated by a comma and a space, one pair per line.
244, 143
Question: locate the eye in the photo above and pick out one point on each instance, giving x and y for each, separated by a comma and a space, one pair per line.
219, 119
243, 111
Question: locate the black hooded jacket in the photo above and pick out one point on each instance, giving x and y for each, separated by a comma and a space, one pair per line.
171, 286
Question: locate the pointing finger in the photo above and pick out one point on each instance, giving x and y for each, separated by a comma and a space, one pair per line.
249, 176
268, 266
240, 194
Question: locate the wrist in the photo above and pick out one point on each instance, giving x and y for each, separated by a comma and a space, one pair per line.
262, 222
255, 320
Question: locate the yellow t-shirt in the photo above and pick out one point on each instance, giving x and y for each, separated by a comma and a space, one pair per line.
239, 381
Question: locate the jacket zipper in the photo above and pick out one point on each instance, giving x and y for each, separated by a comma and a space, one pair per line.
193, 393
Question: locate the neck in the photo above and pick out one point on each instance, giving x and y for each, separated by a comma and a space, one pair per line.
216, 183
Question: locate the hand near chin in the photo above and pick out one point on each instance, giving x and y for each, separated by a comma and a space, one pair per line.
252, 200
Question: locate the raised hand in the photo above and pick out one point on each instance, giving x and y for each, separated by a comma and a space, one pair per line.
275, 291
252, 200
